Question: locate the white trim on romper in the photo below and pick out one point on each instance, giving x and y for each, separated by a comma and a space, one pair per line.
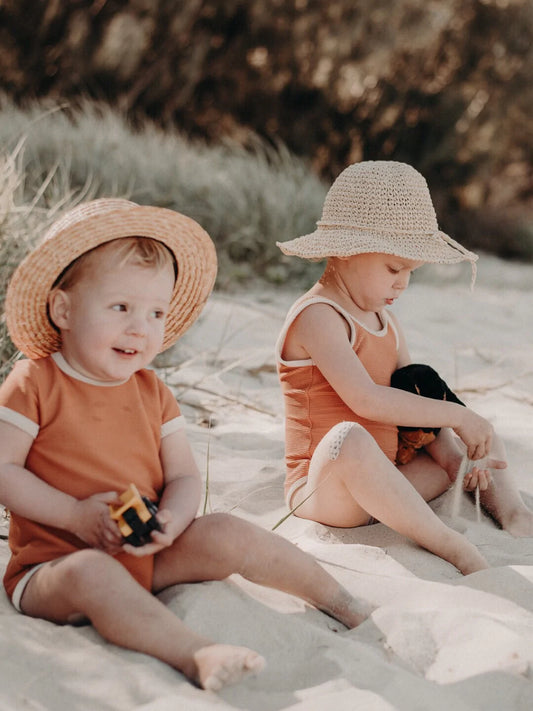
20, 421
299, 306
66, 368
18, 592
293, 488
173, 425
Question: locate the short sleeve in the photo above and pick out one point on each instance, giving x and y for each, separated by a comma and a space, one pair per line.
171, 418
19, 398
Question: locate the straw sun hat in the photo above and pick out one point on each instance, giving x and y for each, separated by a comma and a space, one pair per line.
379, 206
87, 226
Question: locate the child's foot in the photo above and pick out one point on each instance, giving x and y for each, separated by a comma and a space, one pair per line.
520, 524
220, 665
464, 555
349, 610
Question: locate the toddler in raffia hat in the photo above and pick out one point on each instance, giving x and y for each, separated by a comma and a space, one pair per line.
379, 206
84, 417
82, 229
343, 365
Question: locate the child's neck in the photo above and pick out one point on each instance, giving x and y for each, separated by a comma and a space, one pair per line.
332, 287
65, 367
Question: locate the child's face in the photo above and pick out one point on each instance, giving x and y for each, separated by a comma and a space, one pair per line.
112, 320
377, 280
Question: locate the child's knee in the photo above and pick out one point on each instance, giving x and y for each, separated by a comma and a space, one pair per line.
349, 439
80, 570
215, 530
214, 525
230, 537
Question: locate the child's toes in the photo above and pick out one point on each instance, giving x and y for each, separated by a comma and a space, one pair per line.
220, 665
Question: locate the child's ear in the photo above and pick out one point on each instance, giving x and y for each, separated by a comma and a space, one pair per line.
59, 308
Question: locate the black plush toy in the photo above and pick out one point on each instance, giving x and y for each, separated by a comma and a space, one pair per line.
421, 380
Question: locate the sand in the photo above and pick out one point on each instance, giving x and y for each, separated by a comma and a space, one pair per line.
436, 640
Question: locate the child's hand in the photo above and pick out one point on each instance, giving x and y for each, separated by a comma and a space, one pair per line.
91, 522
476, 432
481, 476
160, 539
477, 477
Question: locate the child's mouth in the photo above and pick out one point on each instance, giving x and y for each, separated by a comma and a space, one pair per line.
125, 351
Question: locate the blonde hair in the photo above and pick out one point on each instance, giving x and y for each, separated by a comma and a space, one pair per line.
140, 251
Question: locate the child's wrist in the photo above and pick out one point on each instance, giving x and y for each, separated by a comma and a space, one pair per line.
71, 515
460, 414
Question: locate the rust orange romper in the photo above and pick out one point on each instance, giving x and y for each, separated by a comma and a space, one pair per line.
88, 438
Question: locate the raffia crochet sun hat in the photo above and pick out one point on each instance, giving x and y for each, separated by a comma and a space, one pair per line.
87, 226
379, 206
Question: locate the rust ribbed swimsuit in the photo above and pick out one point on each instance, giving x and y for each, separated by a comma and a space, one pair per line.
313, 407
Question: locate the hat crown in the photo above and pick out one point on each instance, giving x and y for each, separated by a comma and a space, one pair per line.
85, 210
380, 196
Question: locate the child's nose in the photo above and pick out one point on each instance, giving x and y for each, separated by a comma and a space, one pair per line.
137, 326
402, 282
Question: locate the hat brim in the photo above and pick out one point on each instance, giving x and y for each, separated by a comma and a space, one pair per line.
339, 241
27, 294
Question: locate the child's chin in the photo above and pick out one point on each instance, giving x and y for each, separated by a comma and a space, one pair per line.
117, 374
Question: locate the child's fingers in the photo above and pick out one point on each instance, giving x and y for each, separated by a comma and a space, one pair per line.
161, 539
496, 464
484, 481
473, 452
475, 478
146, 549
164, 516
109, 497
467, 482
112, 534
479, 451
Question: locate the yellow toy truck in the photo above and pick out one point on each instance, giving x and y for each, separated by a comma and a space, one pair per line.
136, 517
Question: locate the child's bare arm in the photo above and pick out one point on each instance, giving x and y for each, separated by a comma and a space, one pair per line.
183, 483
321, 333
181, 496
25, 494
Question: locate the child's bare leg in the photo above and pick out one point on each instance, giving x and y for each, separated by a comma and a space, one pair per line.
126, 614
216, 546
503, 501
362, 481
448, 451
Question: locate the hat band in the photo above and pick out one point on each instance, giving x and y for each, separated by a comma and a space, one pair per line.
387, 231
373, 228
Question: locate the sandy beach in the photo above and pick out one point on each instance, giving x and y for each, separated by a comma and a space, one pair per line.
436, 640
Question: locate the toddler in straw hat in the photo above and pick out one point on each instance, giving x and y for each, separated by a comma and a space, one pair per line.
81, 418
336, 354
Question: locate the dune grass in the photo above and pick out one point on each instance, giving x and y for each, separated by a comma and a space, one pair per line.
245, 198
54, 156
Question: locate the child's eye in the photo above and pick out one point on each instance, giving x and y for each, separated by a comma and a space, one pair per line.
158, 313
119, 307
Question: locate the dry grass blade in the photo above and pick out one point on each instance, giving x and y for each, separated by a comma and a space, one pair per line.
207, 500
291, 512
